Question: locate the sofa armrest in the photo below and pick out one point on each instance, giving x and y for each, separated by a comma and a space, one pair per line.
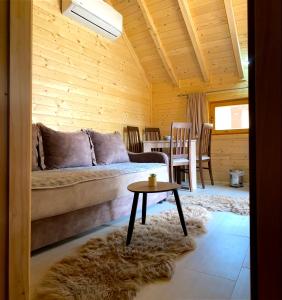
148, 157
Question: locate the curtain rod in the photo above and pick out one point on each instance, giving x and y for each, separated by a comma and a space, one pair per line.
216, 91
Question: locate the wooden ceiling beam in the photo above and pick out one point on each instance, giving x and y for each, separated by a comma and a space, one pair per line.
234, 36
155, 36
185, 10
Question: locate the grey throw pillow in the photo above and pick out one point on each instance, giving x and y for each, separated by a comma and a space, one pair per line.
109, 148
66, 149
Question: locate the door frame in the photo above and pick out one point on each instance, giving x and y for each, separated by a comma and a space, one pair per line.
265, 104
4, 151
15, 147
20, 104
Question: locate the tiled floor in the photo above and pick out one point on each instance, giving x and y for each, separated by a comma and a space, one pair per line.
218, 269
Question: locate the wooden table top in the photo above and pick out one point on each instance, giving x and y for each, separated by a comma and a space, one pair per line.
143, 187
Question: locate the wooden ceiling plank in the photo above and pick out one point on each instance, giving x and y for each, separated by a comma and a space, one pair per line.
132, 52
184, 8
135, 57
155, 36
234, 36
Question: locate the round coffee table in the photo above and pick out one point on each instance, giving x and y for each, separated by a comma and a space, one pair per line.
144, 188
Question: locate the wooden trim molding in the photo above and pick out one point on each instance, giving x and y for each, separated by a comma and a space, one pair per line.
234, 36
4, 142
20, 148
184, 8
159, 46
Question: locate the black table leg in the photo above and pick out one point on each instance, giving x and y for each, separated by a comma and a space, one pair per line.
132, 218
144, 208
180, 212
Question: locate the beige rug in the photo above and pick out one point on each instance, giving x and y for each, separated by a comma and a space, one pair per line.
107, 269
237, 205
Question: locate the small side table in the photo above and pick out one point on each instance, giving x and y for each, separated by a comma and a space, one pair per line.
144, 188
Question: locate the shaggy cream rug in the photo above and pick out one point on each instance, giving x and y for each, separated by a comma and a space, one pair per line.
104, 268
237, 205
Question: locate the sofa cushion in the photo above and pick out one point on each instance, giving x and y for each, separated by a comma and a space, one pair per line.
55, 192
109, 148
66, 149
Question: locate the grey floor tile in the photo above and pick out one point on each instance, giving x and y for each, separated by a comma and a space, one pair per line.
186, 285
219, 254
247, 259
242, 287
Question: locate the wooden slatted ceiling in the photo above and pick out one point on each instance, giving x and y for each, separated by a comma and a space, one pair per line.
158, 43
234, 36
211, 29
240, 12
213, 32
185, 10
176, 41
81, 79
141, 40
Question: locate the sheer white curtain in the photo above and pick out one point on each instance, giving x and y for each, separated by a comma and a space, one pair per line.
197, 112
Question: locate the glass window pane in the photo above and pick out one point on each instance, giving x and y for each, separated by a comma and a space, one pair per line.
232, 117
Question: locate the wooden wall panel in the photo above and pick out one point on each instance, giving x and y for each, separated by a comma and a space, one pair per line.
4, 129
229, 151
81, 79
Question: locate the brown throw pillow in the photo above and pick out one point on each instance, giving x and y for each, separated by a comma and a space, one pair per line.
109, 148
66, 149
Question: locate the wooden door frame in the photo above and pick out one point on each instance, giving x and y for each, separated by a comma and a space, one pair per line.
4, 152
265, 104
20, 103
15, 147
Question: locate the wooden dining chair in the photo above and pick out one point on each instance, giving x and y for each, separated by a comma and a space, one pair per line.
134, 141
204, 155
153, 134
180, 151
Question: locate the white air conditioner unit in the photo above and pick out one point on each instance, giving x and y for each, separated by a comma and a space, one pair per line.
96, 15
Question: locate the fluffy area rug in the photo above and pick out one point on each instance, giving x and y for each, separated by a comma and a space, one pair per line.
237, 205
104, 268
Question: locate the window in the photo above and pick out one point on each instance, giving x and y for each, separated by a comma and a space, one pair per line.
230, 116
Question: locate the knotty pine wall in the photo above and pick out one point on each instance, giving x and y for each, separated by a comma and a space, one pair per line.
228, 151
81, 80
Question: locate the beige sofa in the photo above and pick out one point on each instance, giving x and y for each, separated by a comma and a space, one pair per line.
70, 201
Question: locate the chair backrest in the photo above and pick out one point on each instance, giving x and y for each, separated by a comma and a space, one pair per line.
152, 134
134, 142
205, 139
180, 141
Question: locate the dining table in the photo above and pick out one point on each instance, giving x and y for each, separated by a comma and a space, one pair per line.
148, 146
